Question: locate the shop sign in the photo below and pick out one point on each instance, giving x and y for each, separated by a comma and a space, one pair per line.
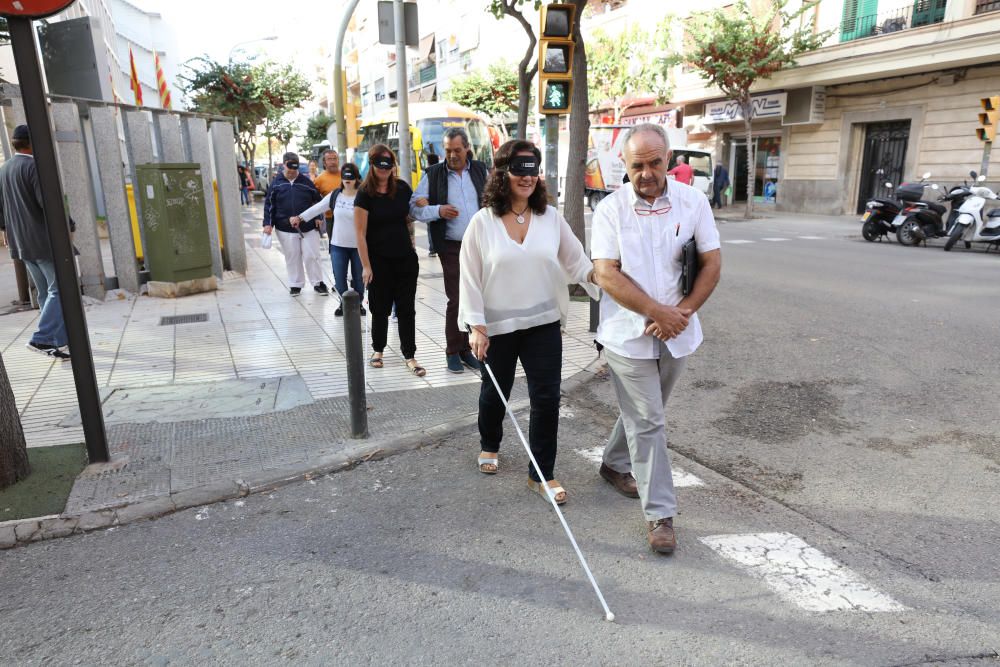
771, 105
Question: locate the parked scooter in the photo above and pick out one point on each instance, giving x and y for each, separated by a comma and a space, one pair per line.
970, 225
920, 219
878, 216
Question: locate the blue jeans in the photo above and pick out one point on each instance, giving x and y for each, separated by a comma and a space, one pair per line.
340, 257
245, 195
51, 327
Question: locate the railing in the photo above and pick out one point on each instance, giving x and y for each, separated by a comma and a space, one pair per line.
920, 13
983, 6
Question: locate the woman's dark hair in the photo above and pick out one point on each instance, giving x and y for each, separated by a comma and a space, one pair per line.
369, 185
496, 194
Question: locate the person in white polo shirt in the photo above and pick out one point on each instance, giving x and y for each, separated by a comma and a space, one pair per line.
648, 327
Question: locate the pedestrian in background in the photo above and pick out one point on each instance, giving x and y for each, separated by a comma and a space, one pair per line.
22, 216
381, 210
313, 170
682, 172
517, 257
720, 181
244, 185
291, 192
341, 232
648, 326
454, 192
329, 179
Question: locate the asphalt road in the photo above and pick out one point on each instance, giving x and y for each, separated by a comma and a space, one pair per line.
844, 399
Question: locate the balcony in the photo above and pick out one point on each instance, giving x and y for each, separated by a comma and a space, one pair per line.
983, 6
920, 13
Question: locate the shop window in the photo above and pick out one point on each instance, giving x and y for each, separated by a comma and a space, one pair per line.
983, 6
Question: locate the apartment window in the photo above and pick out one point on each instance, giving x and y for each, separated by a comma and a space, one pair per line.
983, 6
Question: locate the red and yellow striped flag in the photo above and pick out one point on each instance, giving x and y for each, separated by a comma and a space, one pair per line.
134, 79
161, 82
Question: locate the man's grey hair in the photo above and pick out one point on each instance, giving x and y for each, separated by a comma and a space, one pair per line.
648, 127
327, 152
453, 132
681, 159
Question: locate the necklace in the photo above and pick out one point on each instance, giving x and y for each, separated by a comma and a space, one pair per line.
519, 217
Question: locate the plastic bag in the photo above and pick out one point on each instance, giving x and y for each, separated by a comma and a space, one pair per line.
265, 241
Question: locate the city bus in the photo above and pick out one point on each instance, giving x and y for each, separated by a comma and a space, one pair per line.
428, 123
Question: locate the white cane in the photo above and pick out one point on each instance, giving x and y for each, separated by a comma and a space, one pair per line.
579, 554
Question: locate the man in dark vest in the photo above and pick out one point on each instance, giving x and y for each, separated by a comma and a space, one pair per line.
453, 190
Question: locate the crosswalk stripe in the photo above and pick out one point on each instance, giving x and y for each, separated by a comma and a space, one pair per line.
813, 238
800, 573
682, 479
737, 241
773, 238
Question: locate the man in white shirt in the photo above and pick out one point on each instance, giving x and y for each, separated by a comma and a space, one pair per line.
648, 326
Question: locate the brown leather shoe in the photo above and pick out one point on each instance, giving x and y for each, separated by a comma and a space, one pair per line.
623, 482
661, 536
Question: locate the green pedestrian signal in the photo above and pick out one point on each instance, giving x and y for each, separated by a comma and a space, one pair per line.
555, 58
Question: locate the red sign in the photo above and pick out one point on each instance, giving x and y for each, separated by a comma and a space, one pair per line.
33, 9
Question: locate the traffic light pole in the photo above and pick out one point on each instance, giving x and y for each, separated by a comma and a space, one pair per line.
552, 158
985, 165
402, 93
22, 37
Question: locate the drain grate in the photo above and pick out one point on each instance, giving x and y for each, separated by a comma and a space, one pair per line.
183, 319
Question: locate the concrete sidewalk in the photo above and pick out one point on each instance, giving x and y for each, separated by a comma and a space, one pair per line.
252, 395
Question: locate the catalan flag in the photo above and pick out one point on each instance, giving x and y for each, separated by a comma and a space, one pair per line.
161, 82
134, 79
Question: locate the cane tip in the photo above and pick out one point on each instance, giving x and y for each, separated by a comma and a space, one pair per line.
609, 617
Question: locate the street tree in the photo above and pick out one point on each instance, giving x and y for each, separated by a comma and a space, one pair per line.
734, 48
579, 129
493, 92
315, 131
625, 67
528, 66
13, 450
254, 93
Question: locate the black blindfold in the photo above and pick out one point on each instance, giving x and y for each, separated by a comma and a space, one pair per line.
523, 165
383, 162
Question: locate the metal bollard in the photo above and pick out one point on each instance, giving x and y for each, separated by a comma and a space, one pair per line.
354, 350
595, 315
21, 278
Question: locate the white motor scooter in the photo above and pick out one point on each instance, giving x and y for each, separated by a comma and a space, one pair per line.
970, 223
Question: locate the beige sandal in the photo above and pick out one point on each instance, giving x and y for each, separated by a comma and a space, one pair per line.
416, 368
489, 463
551, 489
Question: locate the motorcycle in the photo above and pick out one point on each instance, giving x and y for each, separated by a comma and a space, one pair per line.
970, 224
920, 219
879, 214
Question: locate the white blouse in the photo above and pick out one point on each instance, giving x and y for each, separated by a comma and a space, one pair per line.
344, 235
509, 286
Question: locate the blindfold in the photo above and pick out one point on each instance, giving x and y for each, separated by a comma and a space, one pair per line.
523, 165
383, 162
292, 165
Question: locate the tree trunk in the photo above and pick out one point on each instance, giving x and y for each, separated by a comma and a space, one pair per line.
751, 157
13, 450
525, 71
579, 127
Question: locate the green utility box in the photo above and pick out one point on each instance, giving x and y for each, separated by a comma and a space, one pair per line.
174, 225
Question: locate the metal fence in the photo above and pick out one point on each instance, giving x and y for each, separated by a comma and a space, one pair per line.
920, 13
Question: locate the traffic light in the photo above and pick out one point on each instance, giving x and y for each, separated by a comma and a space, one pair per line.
555, 58
989, 119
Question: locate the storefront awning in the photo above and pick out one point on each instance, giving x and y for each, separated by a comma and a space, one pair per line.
426, 49
425, 94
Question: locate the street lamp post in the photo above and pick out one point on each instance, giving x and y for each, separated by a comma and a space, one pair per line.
269, 38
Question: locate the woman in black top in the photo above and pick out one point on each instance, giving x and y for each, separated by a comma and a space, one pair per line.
387, 254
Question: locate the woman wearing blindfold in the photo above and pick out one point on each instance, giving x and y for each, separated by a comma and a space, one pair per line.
390, 262
518, 255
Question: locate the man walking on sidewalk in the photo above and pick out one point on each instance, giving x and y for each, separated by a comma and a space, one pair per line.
683, 171
290, 193
454, 190
329, 180
648, 326
23, 218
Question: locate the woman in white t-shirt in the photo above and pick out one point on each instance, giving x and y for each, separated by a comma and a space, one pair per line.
340, 230
518, 256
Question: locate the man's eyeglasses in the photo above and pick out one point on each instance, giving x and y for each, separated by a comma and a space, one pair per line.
653, 211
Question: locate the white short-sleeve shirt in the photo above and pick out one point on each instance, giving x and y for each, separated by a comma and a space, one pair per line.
648, 245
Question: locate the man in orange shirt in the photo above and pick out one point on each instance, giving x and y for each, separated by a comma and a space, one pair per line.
683, 171
329, 180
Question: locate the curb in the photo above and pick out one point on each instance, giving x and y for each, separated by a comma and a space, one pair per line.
24, 531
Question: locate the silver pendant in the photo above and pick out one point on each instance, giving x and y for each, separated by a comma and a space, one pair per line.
519, 219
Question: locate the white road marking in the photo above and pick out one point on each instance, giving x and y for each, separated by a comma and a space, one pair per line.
681, 478
813, 238
738, 241
800, 573
773, 238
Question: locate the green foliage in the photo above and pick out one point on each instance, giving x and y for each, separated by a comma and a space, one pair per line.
493, 92
629, 65
733, 49
500, 7
315, 132
254, 93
